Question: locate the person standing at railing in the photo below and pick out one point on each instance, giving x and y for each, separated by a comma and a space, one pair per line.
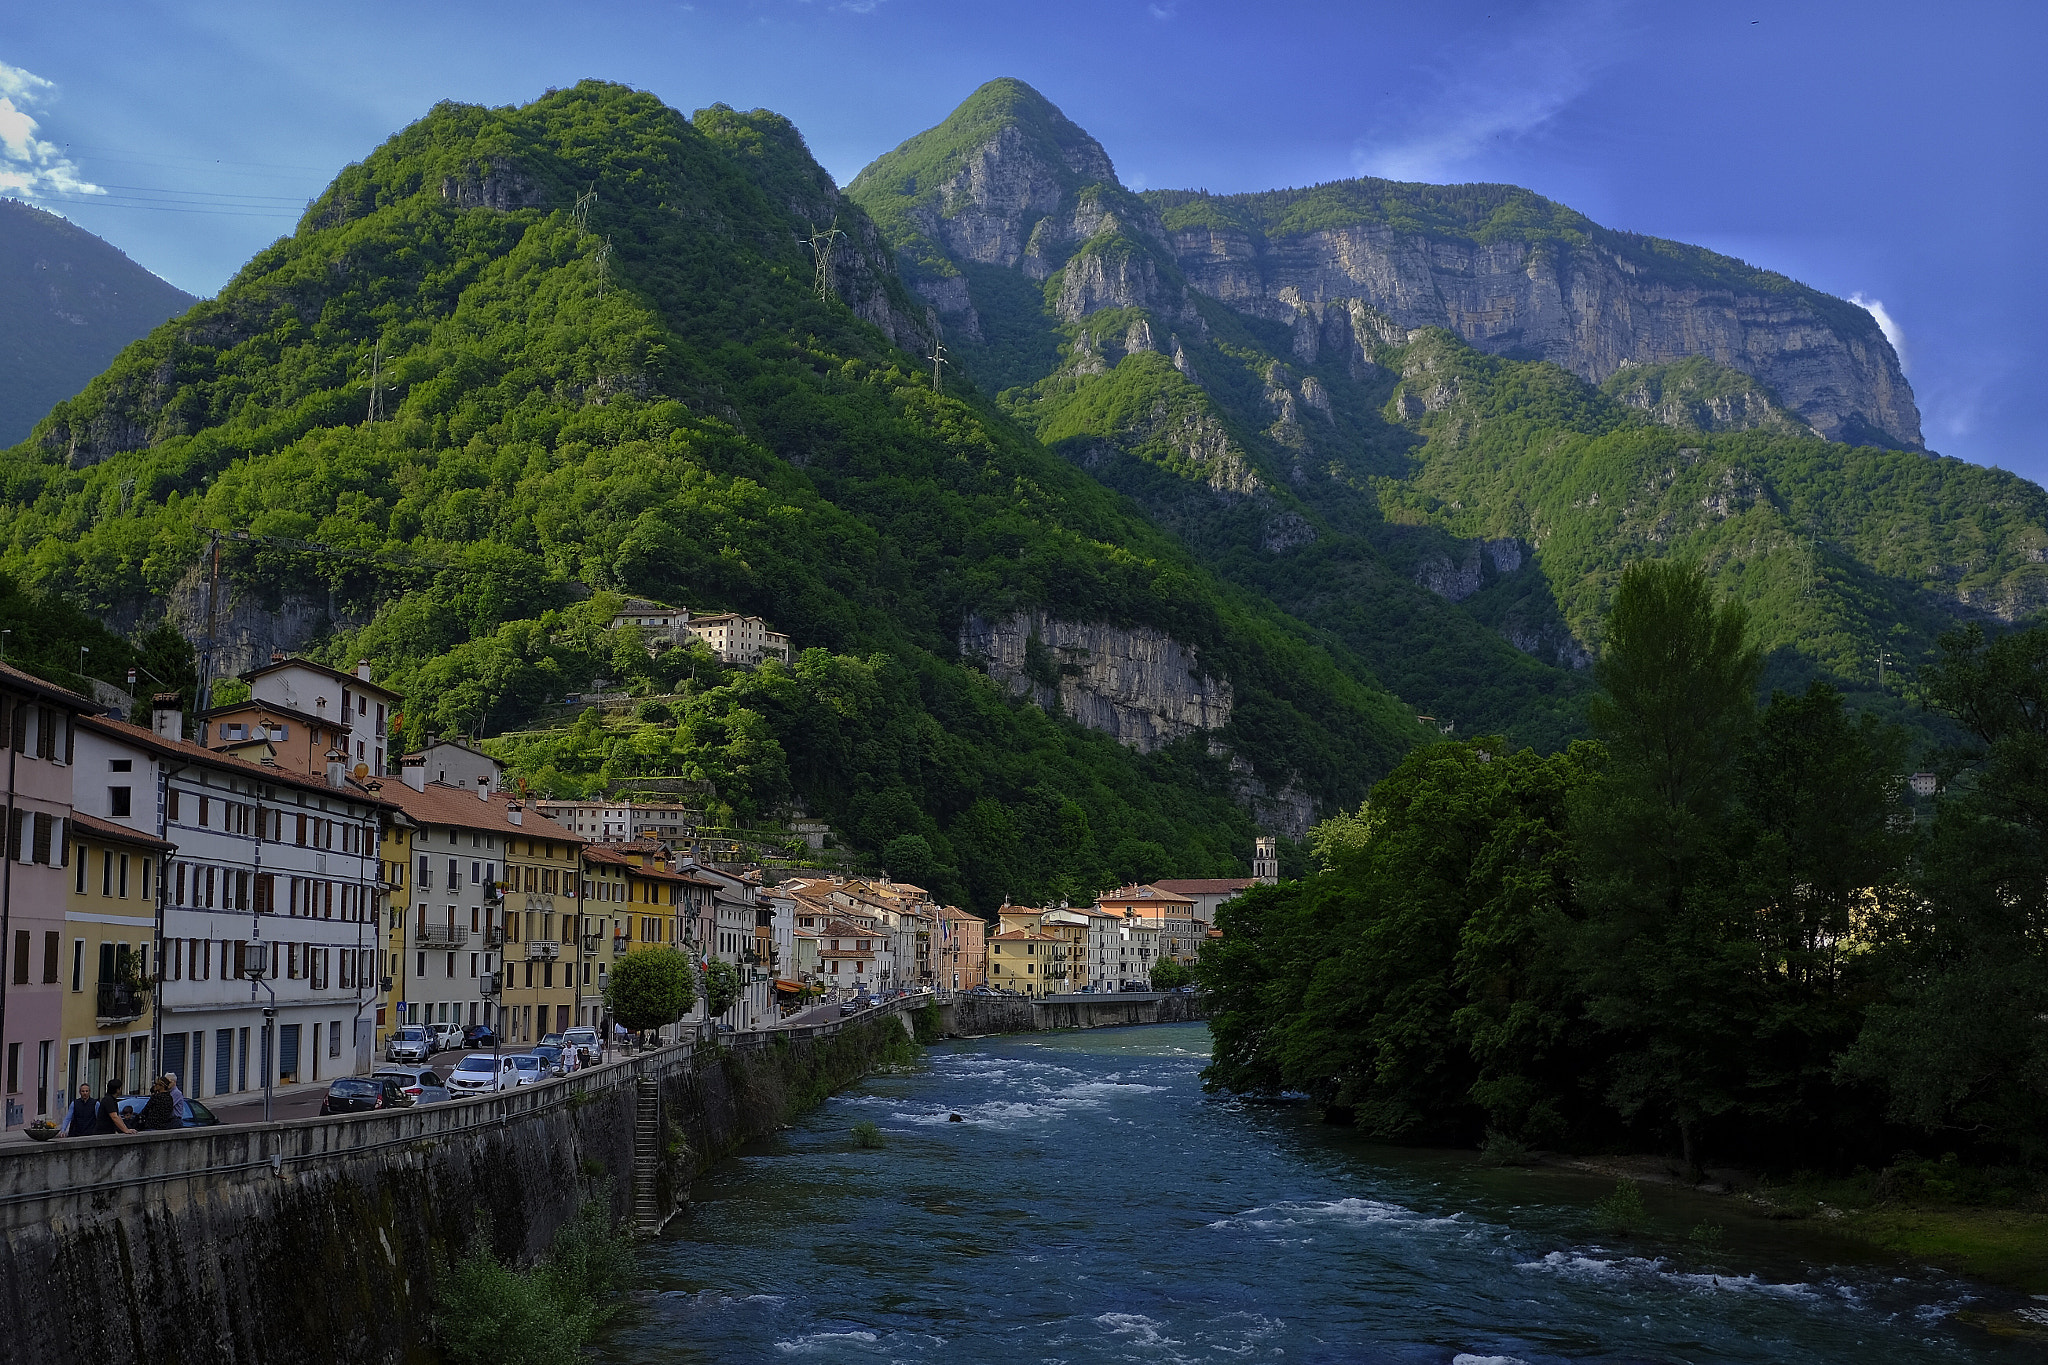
82, 1119
179, 1104
110, 1120
159, 1115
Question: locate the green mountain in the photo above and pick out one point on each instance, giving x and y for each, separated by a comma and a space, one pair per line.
68, 303
1436, 421
520, 361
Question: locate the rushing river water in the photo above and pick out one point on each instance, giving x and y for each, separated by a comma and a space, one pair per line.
1096, 1206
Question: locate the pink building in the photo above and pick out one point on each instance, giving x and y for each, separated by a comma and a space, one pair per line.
36, 718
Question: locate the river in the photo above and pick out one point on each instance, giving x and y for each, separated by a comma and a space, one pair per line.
1095, 1205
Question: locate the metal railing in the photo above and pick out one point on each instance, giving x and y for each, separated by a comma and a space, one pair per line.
119, 1001
441, 935
542, 950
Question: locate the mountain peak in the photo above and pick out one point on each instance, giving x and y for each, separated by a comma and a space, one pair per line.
974, 187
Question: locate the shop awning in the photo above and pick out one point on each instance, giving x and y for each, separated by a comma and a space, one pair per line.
791, 986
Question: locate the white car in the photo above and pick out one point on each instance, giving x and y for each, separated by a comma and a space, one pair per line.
531, 1067
482, 1074
447, 1037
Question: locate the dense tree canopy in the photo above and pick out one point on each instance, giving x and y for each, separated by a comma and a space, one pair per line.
1721, 929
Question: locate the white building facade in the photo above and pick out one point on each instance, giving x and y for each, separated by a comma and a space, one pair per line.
267, 942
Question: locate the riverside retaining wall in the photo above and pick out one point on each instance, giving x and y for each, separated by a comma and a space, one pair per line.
319, 1240
967, 1016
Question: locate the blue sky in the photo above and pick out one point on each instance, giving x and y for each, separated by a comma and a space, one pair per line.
1888, 151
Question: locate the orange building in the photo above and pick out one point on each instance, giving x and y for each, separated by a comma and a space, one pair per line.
960, 957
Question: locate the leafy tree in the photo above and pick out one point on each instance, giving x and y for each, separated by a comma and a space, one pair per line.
648, 988
721, 986
1668, 970
909, 858
1169, 975
1958, 1045
1414, 983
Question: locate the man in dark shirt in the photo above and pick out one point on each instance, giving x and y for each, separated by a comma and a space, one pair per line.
83, 1118
110, 1112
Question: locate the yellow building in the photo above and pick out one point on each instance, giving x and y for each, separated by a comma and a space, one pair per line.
1068, 927
394, 873
551, 953
110, 922
1026, 962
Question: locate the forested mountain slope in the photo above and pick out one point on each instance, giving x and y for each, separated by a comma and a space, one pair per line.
517, 356
1436, 421
68, 304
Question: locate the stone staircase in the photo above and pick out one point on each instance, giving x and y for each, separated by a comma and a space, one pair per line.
647, 1213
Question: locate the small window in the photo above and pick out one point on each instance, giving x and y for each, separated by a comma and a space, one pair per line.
121, 765
118, 801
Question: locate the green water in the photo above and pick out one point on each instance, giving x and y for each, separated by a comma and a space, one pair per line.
1095, 1205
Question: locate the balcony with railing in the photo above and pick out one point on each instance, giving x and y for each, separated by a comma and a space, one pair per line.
120, 1002
542, 950
443, 935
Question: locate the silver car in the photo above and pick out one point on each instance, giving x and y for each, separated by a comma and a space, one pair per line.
413, 1043
423, 1083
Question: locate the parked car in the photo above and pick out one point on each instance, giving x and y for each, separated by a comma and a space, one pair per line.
360, 1094
554, 1059
447, 1037
422, 1083
552, 1039
413, 1043
482, 1074
585, 1041
528, 1068
131, 1109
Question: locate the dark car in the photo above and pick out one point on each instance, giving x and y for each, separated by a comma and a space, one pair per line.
360, 1094
478, 1037
551, 1057
131, 1109
850, 1007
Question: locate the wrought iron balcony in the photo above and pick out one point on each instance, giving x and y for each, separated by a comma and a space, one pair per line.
120, 1002
442, 935
542, 950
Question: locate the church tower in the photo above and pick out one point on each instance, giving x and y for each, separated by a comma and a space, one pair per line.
1266, 860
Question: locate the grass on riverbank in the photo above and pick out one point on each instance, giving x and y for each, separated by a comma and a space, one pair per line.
1986, 1222
1990, 1223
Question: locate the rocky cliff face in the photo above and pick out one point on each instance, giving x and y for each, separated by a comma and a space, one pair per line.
1137, 683
1585, 307
1009, 181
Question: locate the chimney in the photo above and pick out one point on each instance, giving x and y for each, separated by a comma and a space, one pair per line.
337, 768
413, 772
516, 813
363, 669
167, 716
483, 788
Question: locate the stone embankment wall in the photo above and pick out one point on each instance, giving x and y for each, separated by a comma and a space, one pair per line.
969, 1016
320, 1240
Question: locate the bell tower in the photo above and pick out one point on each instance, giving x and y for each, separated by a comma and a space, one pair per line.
1266, 860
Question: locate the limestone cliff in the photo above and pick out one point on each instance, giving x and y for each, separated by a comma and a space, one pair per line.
1136, 683
1557, 288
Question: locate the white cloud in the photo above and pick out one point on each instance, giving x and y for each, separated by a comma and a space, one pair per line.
30, 166
1885, 323
1509, 89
